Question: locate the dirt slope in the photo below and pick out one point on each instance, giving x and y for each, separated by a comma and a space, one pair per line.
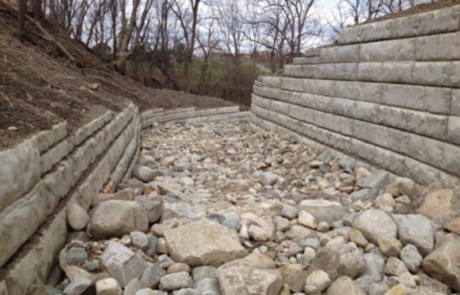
40, 86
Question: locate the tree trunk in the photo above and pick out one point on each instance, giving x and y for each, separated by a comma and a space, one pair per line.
21, 18
37, 9
187, 75
121, 61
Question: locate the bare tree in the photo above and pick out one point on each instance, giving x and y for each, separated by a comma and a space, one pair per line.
231, 23
187, 15
21, 18
131, 30
208, 43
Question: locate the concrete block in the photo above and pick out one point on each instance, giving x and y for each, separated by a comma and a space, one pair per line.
453, 130
54, 155
48, 138
455, 107
321, 87
378, 135
150, 113
433, 73
378, 31
356, 109
428, 99
271, 81
438, 47
313, 101
440, 21
274, 93
345, 71
261, 102
451, 156
433, 22
20, 221
405, 27
386, 51
361, 91
350, 35
88, 129
306, 60
39, 258
311, 71
389, 72
3, 289
415, 121
455, 74
20, 169
292, 84
340, 54
313, 52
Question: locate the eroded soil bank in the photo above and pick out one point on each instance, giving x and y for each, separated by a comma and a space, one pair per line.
216, 209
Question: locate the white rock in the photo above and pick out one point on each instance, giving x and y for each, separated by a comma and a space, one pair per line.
176, 281
319, 279
77, 217
244, 277
262, 228
139, 240
108, 286
269, 178
376, 225
122, 263
307, 220
203, 242
416, 230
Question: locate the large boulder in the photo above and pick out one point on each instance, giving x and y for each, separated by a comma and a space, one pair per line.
443, 263
244, 277
440, 202
122, 263
203, 242
153, 206
123, 195
339, 260
117, 218
344, 286
376, 225
416, 230
323, 210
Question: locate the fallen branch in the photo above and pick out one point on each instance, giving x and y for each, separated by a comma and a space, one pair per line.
165, 73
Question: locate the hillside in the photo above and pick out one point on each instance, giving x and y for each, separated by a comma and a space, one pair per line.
40, 85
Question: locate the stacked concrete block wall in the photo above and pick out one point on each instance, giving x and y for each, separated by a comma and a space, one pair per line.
388, 94
42, 175
192, 115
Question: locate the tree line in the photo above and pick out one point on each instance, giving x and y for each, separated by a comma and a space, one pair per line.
215, 47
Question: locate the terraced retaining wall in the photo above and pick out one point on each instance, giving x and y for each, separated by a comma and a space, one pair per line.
43, 174
388, 94
192, 115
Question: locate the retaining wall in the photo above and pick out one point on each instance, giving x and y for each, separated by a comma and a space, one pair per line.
389, 95
42, 175
192, 115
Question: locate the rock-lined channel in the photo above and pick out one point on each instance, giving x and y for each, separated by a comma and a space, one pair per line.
215, 209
